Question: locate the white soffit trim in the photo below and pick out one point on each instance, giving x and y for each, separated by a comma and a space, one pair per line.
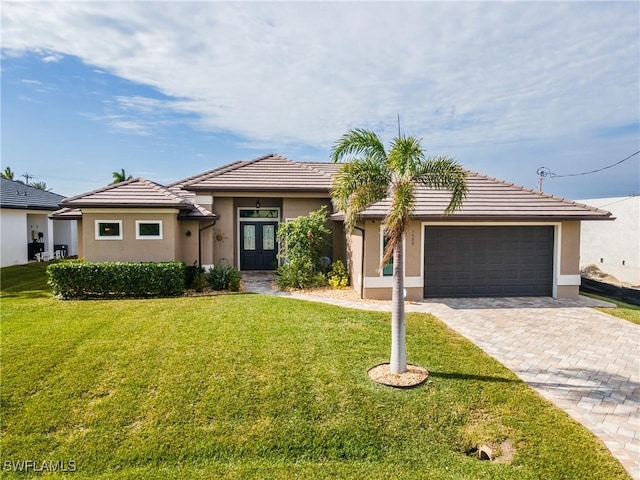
204, 199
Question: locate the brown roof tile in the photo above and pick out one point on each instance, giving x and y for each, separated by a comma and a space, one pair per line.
268, 173
67, 214
489, 198
137, 192
140, 193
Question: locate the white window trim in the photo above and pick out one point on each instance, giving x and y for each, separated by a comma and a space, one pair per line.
386, 281
404, 257
100, 237
148, 237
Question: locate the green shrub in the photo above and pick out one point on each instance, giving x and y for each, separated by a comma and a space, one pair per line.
338, 276
190, 273
199, 282
223, 277
299, 273
305, 238
302, 243
77, 279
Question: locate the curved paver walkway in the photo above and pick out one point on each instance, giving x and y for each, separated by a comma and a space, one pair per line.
584, 361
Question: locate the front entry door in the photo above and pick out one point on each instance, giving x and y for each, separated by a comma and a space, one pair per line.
258, 247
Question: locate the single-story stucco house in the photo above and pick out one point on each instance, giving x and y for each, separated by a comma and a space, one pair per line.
504, 241
25, 226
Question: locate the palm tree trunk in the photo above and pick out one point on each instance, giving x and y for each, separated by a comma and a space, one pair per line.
398, 362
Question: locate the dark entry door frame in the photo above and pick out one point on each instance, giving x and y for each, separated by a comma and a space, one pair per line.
257, 245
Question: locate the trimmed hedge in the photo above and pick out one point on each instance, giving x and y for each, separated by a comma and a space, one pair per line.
77, 279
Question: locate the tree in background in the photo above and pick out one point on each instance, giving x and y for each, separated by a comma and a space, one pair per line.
372, 174
40, 186
120, 176
7, 173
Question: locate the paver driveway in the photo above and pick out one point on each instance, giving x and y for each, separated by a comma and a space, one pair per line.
584, 361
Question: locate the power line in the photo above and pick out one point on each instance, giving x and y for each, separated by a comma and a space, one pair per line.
553, 175
546, 172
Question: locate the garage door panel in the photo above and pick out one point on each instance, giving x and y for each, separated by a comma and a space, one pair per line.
488, 261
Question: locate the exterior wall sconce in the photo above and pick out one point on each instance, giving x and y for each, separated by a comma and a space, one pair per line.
188, 234
257, 204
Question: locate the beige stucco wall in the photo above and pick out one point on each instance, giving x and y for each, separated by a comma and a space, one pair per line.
297, 207
223, 233
187, 245
569, 260
129, 249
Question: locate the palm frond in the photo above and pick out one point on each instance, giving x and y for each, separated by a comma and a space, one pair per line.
358, 144
406, 156
357, 185
444, 173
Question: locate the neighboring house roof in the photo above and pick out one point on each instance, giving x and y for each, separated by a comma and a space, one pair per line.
135, 193
20, 196
268, 173
490, 198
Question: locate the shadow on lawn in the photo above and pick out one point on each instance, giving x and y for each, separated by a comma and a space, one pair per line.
27, 295
467, 376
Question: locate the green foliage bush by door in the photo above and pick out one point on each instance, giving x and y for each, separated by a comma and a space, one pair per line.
302, 243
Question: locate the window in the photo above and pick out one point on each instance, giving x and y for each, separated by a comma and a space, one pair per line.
148, 230
262, 213
249, 237
387, 268
268, 237
108, 229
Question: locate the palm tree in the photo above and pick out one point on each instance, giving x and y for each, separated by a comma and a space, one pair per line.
120, 176
7, 173
40, 186
372, 174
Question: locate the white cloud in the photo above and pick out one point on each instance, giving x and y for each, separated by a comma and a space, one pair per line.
52, 58
301, 73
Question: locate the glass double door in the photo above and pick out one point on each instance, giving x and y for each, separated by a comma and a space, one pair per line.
258, 247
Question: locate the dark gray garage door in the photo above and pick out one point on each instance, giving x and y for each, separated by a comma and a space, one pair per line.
488, 261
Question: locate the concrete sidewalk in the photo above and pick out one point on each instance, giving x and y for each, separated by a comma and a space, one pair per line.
583, 361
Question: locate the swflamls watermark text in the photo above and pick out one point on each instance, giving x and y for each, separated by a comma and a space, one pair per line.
66, 466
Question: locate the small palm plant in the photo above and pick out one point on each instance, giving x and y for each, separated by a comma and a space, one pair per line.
121, 176
372, 174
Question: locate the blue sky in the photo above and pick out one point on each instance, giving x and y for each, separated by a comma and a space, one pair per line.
166, 90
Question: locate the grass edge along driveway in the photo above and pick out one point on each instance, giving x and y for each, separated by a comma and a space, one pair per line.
251, 386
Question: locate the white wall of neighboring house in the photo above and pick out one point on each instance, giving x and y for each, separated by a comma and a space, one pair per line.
18, 228
13, 229
614, 247
65, 232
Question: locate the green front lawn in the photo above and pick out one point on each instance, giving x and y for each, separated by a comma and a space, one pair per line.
624, 310
252, 386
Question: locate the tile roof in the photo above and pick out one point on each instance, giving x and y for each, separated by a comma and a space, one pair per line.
490, 198
67, 213
18, 195
268, 173
139, 193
